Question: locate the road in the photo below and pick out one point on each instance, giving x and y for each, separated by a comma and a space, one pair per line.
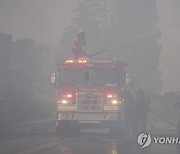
36, 140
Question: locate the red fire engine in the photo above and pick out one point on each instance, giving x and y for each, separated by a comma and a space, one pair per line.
90, 92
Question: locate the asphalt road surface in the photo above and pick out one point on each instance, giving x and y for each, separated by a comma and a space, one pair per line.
36, 140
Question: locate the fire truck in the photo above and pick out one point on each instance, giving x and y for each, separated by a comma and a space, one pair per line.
90, 92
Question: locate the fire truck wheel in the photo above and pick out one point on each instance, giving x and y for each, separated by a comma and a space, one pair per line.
116, 129
64, 128
76, 130
75, 127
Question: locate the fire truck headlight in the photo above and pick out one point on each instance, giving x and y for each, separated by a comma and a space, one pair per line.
64, 101
114, 101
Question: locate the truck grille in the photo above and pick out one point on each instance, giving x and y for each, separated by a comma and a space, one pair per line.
89, 102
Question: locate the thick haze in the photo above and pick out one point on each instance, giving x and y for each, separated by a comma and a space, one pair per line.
169, 13
45, 20
42, 20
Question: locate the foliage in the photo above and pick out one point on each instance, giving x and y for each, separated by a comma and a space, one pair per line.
24, 76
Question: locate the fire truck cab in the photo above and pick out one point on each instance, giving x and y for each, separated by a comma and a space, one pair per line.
90, 92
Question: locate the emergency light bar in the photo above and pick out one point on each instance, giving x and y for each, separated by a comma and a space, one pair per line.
86, 61
101, 61
69, 61
82, 61
74, 61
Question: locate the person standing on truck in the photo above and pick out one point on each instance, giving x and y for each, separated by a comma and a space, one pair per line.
78, 43
141, 111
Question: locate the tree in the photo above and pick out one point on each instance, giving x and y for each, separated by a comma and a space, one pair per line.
26, 68
141, 54
108, 23
6, 51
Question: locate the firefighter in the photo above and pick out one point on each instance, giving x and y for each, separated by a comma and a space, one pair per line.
78, 43
129, 113
141, 110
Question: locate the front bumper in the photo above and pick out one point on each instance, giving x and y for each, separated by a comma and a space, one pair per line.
89, 117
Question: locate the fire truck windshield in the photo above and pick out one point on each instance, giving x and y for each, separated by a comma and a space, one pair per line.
105, 76
74, 76
92, 76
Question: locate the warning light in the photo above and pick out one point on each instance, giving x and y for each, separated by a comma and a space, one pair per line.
112, 96
82, 61
109, 96
69, 96
69, 61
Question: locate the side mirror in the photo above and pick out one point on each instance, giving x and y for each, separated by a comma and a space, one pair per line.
177, 105
128, 79
53, 79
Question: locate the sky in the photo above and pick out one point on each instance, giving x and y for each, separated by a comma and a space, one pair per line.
45, 20
42, 20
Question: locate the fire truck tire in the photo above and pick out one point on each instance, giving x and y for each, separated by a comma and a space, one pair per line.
76, 130
116, 129
63, 128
